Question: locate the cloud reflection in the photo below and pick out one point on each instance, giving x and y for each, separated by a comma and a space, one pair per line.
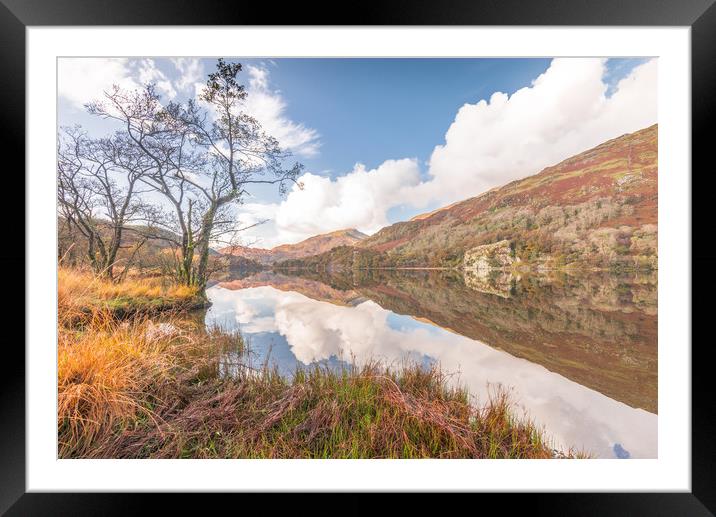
575, 416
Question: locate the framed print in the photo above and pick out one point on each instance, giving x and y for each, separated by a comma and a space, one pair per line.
433, 250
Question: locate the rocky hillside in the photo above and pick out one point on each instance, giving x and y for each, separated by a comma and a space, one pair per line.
596, 209
311, 246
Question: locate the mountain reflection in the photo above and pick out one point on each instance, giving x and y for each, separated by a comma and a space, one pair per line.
577, 353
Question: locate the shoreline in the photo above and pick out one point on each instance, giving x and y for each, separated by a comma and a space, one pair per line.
132, 388
567, 269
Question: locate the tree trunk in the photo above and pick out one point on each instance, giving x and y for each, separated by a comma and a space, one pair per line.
207, 225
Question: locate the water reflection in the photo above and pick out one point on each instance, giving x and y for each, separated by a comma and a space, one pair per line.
578, 354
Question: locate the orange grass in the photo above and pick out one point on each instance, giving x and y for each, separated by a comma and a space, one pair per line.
112, 375
81, 293
131, 390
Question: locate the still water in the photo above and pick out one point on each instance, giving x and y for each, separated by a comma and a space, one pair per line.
578, 354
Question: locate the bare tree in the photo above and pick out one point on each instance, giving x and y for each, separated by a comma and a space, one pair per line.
205, 154
98, 193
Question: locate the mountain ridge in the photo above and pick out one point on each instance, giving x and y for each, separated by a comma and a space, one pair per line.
313, 245
597, 208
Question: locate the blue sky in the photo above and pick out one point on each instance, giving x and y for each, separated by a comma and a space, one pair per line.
369, 110
389, 113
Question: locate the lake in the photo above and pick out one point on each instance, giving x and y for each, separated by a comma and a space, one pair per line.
577, 353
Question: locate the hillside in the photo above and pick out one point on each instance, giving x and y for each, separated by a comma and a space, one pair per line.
595, 209
144, 254
311, 246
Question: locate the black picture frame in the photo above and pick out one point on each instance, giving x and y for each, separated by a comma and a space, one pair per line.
700, 15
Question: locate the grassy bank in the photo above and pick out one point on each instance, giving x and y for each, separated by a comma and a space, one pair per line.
134, 388
81, 294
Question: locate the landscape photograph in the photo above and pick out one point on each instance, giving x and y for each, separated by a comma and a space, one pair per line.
339, 258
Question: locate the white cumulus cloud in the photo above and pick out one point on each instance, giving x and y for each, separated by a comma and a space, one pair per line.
191, 72
268, 106
147, 72
354, 200
564, 111
358, 199
82, 80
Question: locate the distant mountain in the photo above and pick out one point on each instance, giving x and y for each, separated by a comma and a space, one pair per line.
311, 246
596, 209
261, 255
